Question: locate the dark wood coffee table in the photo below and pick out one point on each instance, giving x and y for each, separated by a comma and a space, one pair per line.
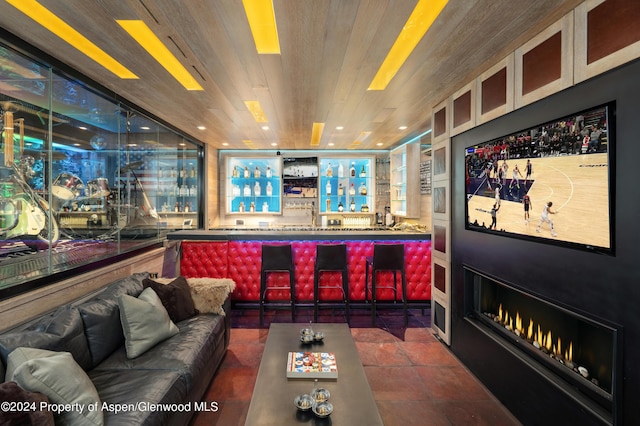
273, 394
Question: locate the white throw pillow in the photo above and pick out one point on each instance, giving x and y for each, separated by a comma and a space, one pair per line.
145, 322
61, 379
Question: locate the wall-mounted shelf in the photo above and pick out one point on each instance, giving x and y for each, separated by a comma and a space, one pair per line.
405, 182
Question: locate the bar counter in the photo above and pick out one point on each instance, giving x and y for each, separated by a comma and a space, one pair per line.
295, 233
236, 253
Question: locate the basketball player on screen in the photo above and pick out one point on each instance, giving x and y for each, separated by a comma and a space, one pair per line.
528, 170
545, 218
516, 172
527, 206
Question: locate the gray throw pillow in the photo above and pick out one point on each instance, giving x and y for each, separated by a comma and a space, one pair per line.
145, 322
61, 379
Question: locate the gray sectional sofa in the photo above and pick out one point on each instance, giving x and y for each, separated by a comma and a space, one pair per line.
175, 371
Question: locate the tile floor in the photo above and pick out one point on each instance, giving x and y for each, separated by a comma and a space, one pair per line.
414, 377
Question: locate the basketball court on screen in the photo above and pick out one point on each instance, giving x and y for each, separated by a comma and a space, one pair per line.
578, 186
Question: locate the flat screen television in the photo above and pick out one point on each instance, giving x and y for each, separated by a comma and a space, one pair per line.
300, 177
551, 182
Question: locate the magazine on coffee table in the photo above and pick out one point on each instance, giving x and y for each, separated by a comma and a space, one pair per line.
312, 365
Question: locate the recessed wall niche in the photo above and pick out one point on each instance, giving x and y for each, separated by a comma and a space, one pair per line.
440, 275
440, 238
440, 161
607, 35
440, 123
612, 26
542, 64
439, 200
494, 91
462, 109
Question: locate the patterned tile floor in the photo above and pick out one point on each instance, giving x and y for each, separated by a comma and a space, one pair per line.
415, 378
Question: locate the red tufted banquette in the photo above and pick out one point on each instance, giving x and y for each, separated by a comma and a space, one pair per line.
240, 261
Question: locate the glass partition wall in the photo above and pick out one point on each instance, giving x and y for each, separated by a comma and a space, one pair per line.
83, 177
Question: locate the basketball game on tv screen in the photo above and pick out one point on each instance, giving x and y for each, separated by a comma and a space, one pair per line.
551, 181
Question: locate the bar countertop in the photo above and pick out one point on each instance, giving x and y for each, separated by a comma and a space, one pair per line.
297, 233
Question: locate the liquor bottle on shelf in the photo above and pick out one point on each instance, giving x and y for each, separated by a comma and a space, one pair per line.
328, 204
352, 190
328, 188
268, 171
252, 207
234, 172
340, 207
193, 191
364, 208
187, 207
172, 173
183, 172
269, 189
352, 170
235, 191
362, 189
340, 170
340, 190
247, 190
363, 172
176, 208
257, 191
246, 172
192, 172
241, 207
265, 207
256, 173
184, 190
329, 172
352, 206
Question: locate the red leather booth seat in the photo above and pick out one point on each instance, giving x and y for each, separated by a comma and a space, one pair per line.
241, 260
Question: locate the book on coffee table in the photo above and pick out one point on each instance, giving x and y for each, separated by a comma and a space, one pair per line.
312, 365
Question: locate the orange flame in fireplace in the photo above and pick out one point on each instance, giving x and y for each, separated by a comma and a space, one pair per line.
534, 333
568, 355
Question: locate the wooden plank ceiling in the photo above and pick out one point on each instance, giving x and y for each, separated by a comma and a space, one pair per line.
330, 51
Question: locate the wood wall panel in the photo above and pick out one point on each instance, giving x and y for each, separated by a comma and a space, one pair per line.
440, 238
440, 123
439, 200
494, 91
612, 26
542, 64
440, 161
462, 109
440, 274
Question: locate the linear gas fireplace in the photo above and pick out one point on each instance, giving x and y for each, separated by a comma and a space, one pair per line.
579, 354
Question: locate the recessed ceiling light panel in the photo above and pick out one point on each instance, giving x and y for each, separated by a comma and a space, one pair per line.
152, 44
425, 12
66, 32
262, 20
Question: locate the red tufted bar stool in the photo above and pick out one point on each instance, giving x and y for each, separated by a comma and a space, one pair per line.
331, 257
386, 257
276, 258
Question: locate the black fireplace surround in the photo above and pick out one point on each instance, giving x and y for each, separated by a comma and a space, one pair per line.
599, 291
576, 353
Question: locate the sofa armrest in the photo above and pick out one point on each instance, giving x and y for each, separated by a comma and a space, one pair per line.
227, 321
